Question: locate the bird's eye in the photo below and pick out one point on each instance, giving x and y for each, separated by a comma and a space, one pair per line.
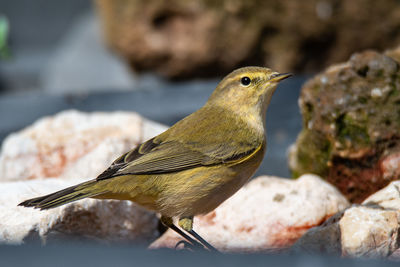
245, 81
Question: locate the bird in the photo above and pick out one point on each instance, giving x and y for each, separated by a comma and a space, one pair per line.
196, 164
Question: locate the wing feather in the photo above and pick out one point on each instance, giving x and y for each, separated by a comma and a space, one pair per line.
174, 151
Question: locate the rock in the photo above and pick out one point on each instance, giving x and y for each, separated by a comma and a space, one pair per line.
394, 53
368, 232
387, 198
395, 255
323, 239
358, 232
351, 125
182, 38
268, 213
102, 221
72, 144
371, 230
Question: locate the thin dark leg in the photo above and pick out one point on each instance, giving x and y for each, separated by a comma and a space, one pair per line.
186, 223
169, 223
193, 242
202, 241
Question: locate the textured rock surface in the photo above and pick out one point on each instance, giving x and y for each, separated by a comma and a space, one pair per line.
68, 146
323, 239
387, 198
72, 144
88, 219
182, 38
268, 213
358, 232
351, 125
370, 230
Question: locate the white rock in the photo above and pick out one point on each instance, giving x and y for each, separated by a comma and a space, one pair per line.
387, 198
369, 232
268, 213
105, 220
72, 144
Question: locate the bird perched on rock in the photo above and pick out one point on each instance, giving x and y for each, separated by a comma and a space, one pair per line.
195, 165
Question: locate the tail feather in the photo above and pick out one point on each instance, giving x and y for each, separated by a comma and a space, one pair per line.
67, 195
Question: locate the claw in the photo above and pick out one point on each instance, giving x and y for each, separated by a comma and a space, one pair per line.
189, 246
186, 245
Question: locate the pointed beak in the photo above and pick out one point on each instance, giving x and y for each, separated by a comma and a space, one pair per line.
280, 76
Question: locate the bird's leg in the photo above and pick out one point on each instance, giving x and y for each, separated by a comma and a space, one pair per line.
187, 225
167, 221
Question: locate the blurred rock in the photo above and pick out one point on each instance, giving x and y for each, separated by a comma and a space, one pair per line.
395, 256
72, 144
394, 53
102, 221
371, 230
183, 38
351, 125
269, 213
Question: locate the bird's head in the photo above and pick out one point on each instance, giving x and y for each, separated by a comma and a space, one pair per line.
248, 88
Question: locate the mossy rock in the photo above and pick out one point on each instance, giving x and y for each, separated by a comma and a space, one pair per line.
351, 124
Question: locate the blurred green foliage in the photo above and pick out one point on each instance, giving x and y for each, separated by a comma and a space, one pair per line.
4, 30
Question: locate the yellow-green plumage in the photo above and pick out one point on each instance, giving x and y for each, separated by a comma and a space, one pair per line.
197, 163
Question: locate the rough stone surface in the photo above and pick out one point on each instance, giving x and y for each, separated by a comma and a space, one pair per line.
323, 239
351, 125
102, 221
370, 230
267, 214
72, 144
387, 198
357, 232
183, 38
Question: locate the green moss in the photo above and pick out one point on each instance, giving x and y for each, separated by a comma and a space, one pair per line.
394, 92
313, 155
352, 130
362, 100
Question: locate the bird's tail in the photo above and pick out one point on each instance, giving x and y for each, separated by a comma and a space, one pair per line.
67, 195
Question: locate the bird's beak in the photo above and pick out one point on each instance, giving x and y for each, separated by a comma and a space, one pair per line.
279, 76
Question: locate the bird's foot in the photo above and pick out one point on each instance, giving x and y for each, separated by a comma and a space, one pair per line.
189, 246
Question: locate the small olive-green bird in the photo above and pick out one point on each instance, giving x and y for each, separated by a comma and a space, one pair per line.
195, 165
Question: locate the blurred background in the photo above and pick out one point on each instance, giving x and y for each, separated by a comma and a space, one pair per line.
163, 59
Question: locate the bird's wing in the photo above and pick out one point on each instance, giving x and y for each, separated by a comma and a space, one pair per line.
183, 146
154, 157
